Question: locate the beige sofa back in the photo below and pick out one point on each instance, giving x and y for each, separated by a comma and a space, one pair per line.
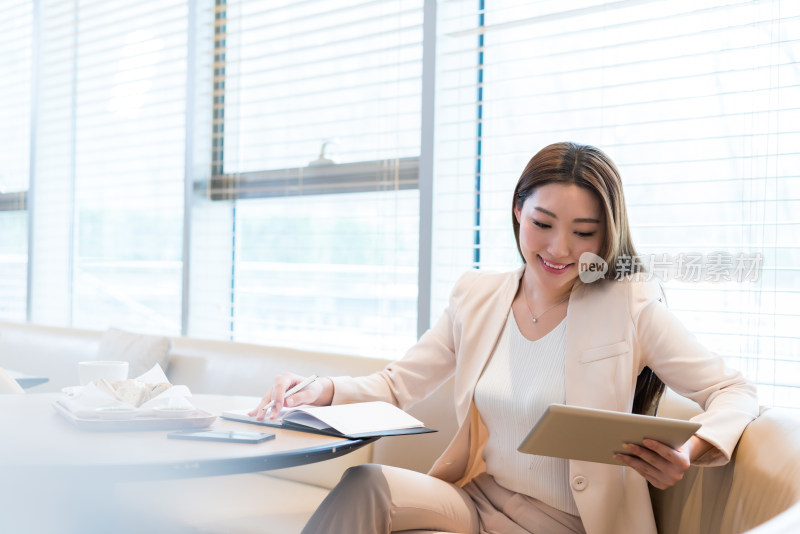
47, 351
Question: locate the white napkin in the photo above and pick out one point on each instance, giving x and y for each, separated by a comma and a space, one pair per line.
83, 401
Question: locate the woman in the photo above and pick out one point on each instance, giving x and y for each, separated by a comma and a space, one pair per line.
519, 341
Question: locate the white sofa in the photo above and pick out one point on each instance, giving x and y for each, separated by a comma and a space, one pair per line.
763, 482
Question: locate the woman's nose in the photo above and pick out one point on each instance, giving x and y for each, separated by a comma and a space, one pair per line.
559, 246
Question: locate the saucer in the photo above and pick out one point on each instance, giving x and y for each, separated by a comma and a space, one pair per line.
174, 411
116, 413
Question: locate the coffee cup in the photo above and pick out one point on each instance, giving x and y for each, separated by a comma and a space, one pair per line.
110, 370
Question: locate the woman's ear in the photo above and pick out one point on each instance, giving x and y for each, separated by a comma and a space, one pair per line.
517, 214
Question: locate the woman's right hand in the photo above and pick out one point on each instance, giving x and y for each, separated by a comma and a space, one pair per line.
318, 393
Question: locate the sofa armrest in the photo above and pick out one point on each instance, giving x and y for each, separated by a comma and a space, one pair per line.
785, 523
766, 471
761, 482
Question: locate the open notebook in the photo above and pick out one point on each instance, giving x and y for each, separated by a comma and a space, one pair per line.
357, 420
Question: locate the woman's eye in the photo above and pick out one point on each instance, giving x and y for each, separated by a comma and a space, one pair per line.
540, 224
584, 234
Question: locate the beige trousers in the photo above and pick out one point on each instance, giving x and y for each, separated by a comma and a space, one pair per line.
377, 499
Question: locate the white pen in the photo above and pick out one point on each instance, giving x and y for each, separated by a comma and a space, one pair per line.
298, 387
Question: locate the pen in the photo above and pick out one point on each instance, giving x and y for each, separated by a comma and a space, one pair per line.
298, 387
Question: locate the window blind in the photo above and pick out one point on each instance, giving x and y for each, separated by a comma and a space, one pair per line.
15, 109
306, 231
695, 102
108, 177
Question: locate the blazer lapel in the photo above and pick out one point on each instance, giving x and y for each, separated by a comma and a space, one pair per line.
480, 338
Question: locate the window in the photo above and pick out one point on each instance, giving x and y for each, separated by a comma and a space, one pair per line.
15, 109
316, 140
109, 165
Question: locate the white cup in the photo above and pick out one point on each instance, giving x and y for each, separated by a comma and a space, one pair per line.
111, 371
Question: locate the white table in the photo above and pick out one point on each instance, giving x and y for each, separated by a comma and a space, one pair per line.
36, 441
52, 469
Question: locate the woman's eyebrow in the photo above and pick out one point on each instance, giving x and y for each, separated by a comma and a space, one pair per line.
579, 220
546, 212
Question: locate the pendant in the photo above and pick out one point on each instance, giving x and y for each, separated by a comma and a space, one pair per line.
533, 319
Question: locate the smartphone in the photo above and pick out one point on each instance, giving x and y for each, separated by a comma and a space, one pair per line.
222, 435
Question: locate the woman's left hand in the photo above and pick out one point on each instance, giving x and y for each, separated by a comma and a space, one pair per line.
660, 464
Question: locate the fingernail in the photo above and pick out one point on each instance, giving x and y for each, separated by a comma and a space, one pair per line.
627, 446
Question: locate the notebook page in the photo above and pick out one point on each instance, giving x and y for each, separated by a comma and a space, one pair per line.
361, 417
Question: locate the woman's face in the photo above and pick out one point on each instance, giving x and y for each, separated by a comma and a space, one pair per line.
558, 223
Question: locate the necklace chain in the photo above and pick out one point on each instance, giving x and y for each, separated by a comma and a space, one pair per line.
535, 319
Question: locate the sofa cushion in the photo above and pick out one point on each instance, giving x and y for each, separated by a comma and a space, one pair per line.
142, 352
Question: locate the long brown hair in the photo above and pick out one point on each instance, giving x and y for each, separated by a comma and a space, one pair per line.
590, 168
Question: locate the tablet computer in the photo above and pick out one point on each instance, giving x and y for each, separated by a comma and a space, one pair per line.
594, 435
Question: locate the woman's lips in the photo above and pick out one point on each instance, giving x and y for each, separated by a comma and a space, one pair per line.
553, 267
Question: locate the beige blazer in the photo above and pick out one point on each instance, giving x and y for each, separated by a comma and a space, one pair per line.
614, 330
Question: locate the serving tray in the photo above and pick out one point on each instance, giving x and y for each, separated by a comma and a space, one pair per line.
199, 419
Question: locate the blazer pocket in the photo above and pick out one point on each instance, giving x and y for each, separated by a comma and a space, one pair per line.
606, 351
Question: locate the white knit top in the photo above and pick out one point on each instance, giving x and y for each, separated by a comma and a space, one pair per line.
520, 380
